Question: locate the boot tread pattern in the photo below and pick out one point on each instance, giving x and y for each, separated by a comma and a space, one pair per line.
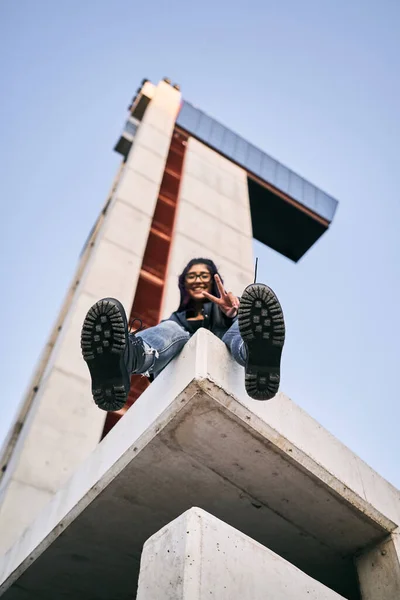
262, 328
105, 319
103, 341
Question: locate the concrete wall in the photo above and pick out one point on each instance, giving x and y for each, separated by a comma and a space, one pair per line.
379, 570
213, 220
63, 425
198, 556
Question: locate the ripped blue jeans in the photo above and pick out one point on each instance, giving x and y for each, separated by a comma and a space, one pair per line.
164, 341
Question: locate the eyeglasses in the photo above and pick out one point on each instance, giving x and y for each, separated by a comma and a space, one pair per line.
191, 277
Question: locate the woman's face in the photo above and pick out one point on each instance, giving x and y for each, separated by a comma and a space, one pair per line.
198, 280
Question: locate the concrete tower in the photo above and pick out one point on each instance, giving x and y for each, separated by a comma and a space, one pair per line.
186, 187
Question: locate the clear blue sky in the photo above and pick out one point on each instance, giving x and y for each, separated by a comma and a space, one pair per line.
314, 83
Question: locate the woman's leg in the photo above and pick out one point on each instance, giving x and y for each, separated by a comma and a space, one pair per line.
235, 343
161, 344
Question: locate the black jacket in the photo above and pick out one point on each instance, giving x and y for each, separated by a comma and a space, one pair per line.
214, 320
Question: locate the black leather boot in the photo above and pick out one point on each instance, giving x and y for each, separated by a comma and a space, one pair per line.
111, 353
262, 327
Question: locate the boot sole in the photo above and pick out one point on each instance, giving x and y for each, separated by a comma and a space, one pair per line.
103, 341
262, 327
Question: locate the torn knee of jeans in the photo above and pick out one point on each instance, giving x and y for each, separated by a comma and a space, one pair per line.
149, 351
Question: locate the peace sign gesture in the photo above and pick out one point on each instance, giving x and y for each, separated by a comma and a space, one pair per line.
228, 302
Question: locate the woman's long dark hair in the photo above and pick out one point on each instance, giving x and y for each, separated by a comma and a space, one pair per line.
185, 301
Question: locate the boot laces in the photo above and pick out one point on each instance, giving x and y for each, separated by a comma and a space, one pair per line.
131, 325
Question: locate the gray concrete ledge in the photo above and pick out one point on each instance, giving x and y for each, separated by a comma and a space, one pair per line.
194, 438
198, 556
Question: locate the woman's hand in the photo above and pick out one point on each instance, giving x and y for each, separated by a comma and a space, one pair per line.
228, 302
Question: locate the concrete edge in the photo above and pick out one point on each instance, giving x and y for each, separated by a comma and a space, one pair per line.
293, 454
112, 455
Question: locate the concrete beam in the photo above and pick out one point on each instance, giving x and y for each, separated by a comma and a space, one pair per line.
198, 556
194, 438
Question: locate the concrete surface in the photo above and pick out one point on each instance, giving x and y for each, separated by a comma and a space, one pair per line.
379, 570
213, 221
198, 556
136, 190
63, 425
194, 438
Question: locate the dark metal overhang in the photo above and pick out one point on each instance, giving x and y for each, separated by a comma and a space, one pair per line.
282, 224
289, 214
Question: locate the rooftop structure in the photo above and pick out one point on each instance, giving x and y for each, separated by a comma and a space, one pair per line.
295, 495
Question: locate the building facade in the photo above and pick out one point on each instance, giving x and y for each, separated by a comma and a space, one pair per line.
186, 187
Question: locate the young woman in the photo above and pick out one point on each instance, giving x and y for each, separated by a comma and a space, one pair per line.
252, 327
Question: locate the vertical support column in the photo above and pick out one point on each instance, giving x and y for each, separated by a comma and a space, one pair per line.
197, 557
379, 570
63, 425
